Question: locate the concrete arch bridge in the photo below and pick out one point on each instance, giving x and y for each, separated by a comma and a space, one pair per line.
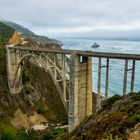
72, 77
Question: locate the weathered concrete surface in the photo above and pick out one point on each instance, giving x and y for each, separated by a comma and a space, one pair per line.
14, 73
15, 63
80, 97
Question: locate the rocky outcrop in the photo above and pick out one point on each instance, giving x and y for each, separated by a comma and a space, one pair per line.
15, 39
22, 121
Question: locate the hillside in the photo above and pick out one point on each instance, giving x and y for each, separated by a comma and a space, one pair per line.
25, 32
12, 31
6, 33
119, 119
38, 105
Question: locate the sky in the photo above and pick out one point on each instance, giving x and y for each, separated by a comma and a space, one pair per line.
75, 18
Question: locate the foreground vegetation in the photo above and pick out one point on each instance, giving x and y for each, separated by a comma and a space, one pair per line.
119, 119
8, 132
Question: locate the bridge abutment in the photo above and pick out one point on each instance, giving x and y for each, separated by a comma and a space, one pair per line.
14, 73
80, 97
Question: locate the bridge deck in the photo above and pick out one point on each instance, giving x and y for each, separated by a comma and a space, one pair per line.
82, 53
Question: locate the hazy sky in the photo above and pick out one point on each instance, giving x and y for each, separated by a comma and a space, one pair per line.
75, 17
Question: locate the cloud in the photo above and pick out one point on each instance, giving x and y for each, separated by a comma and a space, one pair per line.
74, 17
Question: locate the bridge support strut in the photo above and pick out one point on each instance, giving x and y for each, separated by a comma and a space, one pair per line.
80, 96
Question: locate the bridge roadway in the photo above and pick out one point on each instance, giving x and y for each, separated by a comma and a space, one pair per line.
82, 53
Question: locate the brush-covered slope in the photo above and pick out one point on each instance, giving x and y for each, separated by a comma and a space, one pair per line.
119, 119
6, 33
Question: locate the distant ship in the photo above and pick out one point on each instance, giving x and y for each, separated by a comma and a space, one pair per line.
95, 45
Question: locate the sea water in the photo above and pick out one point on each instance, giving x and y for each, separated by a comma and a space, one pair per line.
116, 67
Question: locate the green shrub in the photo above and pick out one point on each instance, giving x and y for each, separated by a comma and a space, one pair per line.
110, 137
8, 132
6, 33
134, 119
63, 118
111, 100
55, 133
41, 110
25, 78
136, 97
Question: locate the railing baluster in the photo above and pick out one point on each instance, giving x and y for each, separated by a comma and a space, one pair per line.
132, 77
125, 77
99, 83
107, 78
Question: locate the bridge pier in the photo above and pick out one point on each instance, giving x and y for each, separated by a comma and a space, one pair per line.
80, 96
14, 73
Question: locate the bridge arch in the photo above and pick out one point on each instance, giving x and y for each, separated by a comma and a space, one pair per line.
46, 63
78, 103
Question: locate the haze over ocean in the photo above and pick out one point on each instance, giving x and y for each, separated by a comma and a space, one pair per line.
116, 68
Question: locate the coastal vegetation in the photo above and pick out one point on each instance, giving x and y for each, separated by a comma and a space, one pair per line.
8, 132
118, 119
6, 33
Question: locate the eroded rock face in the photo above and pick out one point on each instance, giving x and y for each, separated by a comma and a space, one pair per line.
22, 121
15, 40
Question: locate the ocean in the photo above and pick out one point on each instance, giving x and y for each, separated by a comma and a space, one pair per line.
116, 68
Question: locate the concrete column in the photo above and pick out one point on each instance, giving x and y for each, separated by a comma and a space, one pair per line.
89, 87
14, 72
80, 97
73, 95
